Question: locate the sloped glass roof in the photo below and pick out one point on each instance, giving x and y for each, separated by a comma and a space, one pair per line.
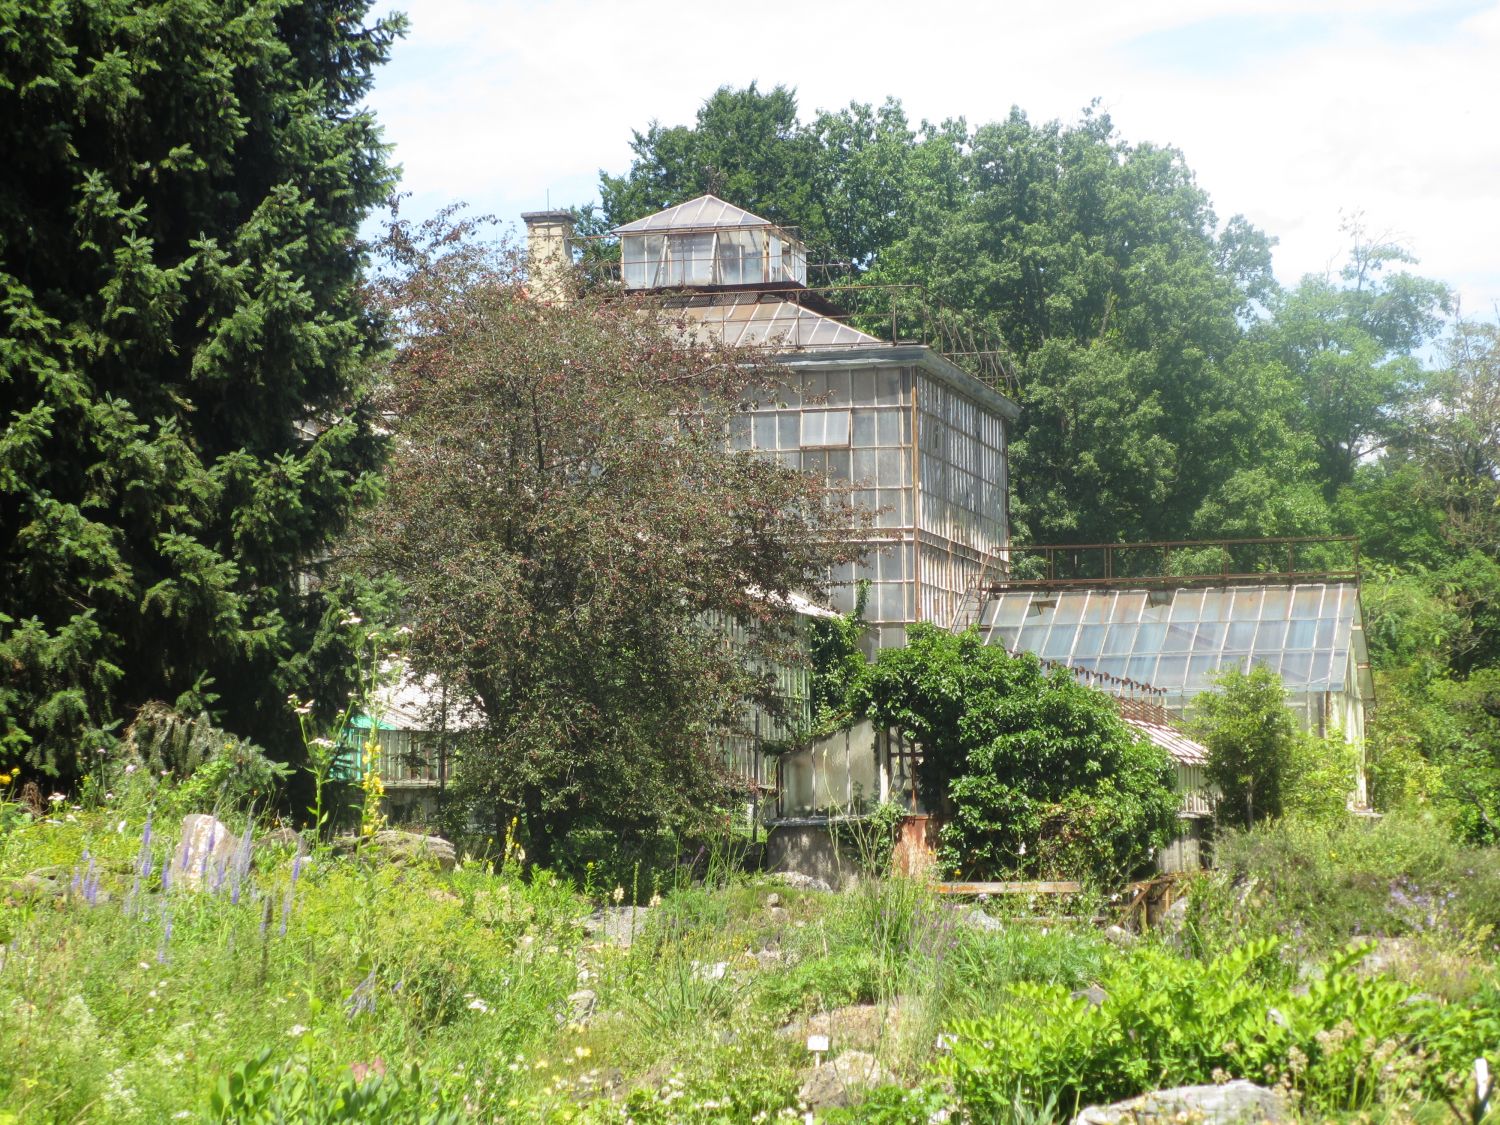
746, 320
1177, 640
707, 212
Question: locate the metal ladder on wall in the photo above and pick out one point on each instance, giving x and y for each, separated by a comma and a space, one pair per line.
976, 596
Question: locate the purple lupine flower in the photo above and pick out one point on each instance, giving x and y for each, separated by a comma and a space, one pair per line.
362, 999
166, 875
166, 936
91, 884
291, 890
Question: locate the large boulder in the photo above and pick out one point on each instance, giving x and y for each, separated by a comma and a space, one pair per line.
205, 853
403, 849
1233, 1103
617, 925
843, 1081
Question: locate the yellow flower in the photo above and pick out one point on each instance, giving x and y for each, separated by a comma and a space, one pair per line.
4, 779
582, 1052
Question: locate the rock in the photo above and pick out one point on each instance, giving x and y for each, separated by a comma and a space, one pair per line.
45, 882
842, 1081
204, 854
581, 1006
779, 915
1095, 995
976, 918
800, 881
716, 970
773, 901
617, 925
1120, 936
401, 849
1234, 1103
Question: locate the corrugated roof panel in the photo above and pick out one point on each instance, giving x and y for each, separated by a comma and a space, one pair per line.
1182, 748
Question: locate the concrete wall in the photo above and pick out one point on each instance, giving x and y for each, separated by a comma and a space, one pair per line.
807, 847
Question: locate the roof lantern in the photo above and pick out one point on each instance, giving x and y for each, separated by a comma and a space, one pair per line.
708, 243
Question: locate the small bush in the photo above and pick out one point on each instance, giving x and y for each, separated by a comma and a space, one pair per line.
1341, 1042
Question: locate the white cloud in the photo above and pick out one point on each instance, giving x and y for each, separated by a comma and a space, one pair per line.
1290, 111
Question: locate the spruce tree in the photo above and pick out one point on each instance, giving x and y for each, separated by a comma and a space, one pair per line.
182, 348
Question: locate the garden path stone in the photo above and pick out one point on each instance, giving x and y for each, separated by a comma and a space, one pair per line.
842, 1081
205, 851
1234, 1103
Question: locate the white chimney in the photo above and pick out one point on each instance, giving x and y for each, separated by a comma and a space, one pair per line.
549, 256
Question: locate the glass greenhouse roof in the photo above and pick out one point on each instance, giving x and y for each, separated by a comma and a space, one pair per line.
707, 212
1177, 640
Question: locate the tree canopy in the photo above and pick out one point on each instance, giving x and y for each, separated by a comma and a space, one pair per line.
575, 539
183, 355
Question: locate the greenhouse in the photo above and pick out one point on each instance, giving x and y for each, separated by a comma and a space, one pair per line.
1178, 639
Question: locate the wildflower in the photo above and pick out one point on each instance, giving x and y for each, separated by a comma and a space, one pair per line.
4, 779
353, 619
618, 895
478, 1005
295, 1030
655, 901
130, 768
57, 798
582, 1052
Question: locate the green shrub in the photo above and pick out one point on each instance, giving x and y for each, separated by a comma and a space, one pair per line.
256, 1092
1036, 775
1340, 1042
1321, 883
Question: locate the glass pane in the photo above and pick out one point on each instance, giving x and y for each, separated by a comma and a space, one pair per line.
1295, 667
1201, 669
888, 427
1179, 638
1246, 605
1112, 665
739, 431
1210, 635
1032, 636
1171, 671
1276, 605
1240, 637
1118, 640
1151, 638
1187, 605
864, 466
764, 431
1128, 607
1305, 601
838, 388
1300, 634
1328, 630
1090, 640
1215, 606
1099, 606
838, 466
864, 427
888, 386
1007, 637
1059, 642
1143, 668
1010, 609
1271, 636
1069, 609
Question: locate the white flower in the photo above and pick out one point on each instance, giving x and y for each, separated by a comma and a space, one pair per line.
324, 743
296, 1030
353, 619
120, 829
130, 768
58, 798
478, 1005
618, 895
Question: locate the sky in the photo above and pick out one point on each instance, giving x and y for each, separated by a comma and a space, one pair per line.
1298, 114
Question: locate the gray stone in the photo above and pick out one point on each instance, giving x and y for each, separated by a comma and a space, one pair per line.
802, 882
617, 925
779, 915
279, 840
1120, 936
205, 851
976, 918
773, 901
714, 970
842, 1081
581, 1006
1234, 1103
767, 959
403, 849
1095, 995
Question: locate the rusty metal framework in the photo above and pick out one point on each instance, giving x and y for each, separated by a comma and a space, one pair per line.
1175, 563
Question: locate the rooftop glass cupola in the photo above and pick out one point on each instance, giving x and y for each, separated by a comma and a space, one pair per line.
706, 242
